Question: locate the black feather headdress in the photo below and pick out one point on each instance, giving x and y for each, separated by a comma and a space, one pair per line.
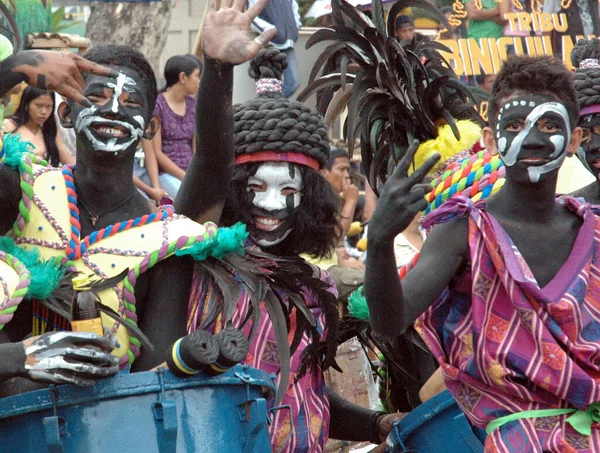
400, 91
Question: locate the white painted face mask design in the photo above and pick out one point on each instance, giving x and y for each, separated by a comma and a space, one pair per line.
89, 118
510, 144
275, 193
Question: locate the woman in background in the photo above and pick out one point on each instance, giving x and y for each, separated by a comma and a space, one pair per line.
173, 145
34, 121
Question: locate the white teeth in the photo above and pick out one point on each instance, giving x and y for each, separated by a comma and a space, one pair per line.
111, 131
267, 221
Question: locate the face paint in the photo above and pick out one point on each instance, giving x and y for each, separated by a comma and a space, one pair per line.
89, 119
274, 194
534, 131
590, 142
60, 357
122, 80
116, 122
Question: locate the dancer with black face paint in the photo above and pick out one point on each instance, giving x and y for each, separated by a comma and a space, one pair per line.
289, 209
92, 217
585, 57
510, 310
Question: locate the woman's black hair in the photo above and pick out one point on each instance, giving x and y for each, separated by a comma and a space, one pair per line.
316, 224
175, 66
197, 59
49, 130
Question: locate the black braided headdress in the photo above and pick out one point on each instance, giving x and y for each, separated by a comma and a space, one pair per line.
272, 124
401, 90
585, 57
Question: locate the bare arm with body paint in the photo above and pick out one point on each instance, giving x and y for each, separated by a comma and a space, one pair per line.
394, 306
227, 41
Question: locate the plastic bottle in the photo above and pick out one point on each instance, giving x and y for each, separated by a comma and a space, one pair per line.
85, 311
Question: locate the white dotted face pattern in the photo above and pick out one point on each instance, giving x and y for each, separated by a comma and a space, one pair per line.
525, 120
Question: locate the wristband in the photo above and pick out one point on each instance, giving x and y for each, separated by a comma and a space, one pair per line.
375, 437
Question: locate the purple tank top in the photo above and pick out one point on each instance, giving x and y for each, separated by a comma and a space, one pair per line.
177, 131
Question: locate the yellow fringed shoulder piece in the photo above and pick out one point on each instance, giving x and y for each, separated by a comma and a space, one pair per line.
446, 144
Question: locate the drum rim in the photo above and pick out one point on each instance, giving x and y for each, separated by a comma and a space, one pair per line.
129, 384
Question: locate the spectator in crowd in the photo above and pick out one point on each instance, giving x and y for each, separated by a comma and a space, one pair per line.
347, 272
337, 173
486, 81
408, 243
285, 17
175, 108
34, 121
484, 22
443, 32
404, 27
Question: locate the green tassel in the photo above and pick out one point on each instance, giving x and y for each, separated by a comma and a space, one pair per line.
357, 305
226, 241
45, 274
15, 149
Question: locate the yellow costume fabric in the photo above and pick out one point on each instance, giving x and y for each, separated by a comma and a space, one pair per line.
49, 221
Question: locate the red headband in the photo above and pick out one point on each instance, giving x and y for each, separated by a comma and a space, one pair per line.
272, 156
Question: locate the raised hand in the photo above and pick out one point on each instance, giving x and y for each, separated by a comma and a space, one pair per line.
402, 198
56, 71
77, 358
226, 35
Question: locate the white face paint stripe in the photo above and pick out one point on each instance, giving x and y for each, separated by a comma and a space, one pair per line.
536, 172
510, 158
88, 116
122, 80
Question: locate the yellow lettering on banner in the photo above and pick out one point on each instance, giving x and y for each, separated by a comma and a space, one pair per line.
502, 45
518, 43
453, 59
466, 59
546, 22
535, 21
480, 56
512, 21
524, 21
547, 42
560, 22
533, 49
495, 54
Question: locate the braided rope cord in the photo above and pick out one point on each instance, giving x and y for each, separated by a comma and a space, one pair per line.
27, 178
76, 248
8, 309
475, 178
148, 262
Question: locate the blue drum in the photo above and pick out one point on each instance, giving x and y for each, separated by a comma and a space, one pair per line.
436, 425
150, 412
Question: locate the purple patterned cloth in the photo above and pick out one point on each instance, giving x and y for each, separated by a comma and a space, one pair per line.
505, 345
306, 397
177, 131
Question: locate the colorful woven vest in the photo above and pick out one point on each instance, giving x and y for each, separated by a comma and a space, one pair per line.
49, 221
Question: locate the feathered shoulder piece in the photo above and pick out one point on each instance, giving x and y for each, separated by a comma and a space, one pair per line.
400, 91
